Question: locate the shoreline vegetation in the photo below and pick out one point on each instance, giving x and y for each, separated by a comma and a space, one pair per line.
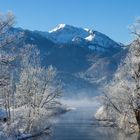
121, 96
29, 93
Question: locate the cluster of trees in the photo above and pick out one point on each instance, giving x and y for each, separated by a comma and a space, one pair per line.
122, 95
28, 92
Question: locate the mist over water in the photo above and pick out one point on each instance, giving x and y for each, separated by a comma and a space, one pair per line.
81, 102
80, 124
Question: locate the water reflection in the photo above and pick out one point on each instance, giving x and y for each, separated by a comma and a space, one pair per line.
97, 134
80, 125
114, 134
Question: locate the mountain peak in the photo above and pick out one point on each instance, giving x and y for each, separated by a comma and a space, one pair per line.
64, 33
70, 28
58, 27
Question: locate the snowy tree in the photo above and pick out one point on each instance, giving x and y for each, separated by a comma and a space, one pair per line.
7, 41
122, 94
28, 92
37, 91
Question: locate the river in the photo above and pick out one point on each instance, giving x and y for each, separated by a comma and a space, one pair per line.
80, 124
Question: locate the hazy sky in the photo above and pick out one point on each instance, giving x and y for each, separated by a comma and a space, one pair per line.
111, 17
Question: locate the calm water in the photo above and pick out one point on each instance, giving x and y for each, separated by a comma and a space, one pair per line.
79, 124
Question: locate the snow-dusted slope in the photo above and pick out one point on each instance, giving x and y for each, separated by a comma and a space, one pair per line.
102, 40
63, 33
95, 40
80, 69
57, 28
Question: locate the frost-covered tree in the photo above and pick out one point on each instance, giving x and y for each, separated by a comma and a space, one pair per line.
122, 94
37, 91
7, 41
28, 92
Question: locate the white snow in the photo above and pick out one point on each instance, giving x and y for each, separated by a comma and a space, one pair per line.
101, 114
64, 33
86, 29
58, 27
90, 37
90, 31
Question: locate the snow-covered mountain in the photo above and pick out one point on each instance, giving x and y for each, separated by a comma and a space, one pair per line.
94, 40
84, 58
63, 33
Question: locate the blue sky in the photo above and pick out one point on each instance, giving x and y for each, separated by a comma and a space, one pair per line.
111, 17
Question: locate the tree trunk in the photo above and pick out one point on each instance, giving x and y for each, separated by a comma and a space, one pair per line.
137, 114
